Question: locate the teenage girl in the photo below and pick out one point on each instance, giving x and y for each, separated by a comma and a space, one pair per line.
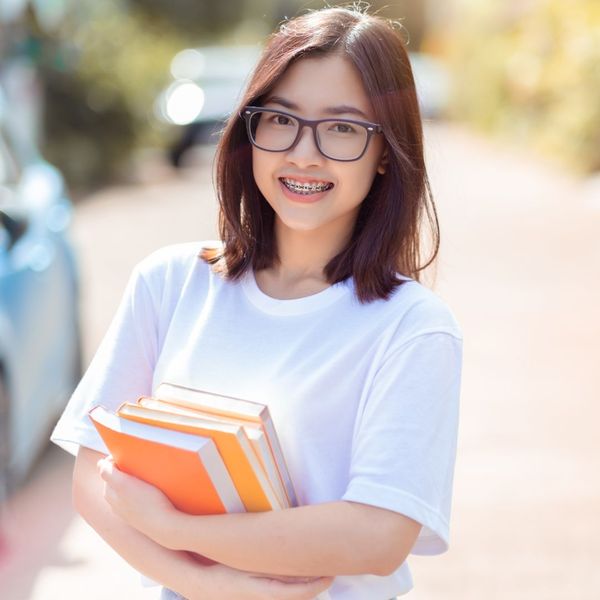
311, 305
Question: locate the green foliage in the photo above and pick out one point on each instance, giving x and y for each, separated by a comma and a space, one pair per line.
103, 69
532, 72
195, 17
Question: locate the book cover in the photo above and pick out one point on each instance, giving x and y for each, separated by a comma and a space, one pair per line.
245, 469
237, 408
187, 468
254, 432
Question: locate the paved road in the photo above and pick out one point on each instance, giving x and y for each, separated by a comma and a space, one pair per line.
520, 265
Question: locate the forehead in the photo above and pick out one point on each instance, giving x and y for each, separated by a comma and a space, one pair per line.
315, 84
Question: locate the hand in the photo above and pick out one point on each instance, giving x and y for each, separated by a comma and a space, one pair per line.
141, 505
226, 582
147, 509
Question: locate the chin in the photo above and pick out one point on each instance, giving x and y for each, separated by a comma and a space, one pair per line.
302, 227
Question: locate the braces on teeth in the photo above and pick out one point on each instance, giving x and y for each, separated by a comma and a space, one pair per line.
308, 188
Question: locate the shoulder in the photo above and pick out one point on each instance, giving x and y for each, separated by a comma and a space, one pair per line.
417, 311
173, 263
165, 274
174, 257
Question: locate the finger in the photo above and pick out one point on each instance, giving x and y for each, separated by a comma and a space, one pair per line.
105, 468
108, 469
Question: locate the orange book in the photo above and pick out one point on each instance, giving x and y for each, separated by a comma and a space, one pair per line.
254, 433
231, 441
187, 468
236, 408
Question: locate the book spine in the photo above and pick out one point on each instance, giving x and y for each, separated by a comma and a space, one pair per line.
279, 458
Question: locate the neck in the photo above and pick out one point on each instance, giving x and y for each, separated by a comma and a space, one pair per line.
306, 253
302, 257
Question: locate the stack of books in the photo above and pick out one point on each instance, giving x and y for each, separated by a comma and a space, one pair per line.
210, 454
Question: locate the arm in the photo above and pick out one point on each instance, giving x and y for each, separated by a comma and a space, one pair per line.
334, 538
174, 569
171, 568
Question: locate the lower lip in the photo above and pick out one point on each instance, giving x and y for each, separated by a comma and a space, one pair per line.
302, 198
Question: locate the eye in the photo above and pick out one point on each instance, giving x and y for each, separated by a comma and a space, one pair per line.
342, 127
277, 119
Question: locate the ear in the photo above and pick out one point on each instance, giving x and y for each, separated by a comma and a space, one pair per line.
383, 163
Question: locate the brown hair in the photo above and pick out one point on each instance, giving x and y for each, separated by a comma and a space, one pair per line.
386, 239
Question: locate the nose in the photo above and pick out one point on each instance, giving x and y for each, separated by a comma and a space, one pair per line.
304, 152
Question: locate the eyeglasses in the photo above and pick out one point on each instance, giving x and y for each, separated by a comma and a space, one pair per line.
278, 131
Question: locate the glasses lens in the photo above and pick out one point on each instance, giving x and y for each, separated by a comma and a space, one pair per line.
273, 131
341, 140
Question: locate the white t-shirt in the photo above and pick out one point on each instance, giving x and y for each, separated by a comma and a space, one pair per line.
364, 397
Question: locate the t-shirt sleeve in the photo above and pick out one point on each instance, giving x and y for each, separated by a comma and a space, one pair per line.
120, 371
405, 438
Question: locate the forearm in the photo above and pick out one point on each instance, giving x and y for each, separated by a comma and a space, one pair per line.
174, 569
336, 538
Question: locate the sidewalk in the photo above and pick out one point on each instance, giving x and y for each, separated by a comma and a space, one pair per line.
520, 266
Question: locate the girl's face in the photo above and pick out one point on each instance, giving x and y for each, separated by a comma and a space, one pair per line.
318, 88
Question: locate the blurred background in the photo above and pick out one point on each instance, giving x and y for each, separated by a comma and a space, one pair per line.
109, 113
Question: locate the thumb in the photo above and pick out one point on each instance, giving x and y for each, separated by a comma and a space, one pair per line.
106, 467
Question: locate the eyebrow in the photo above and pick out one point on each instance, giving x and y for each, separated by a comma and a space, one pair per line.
343, 109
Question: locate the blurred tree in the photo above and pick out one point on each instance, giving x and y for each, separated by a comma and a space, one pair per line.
531, 72
194, 17
102, 67
197, 17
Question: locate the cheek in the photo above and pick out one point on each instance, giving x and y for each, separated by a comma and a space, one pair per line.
369, 172
358, 181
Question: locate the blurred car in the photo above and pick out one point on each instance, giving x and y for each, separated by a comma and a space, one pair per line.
208, 81
39, 325
206, 86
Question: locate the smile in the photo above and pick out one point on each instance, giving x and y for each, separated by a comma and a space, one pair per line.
306, 188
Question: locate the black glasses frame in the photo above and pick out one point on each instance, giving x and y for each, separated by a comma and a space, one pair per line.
248, 111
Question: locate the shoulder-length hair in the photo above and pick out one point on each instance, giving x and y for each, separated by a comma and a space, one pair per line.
386, 240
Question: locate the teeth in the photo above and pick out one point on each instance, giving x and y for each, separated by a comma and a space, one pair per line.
305, 188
